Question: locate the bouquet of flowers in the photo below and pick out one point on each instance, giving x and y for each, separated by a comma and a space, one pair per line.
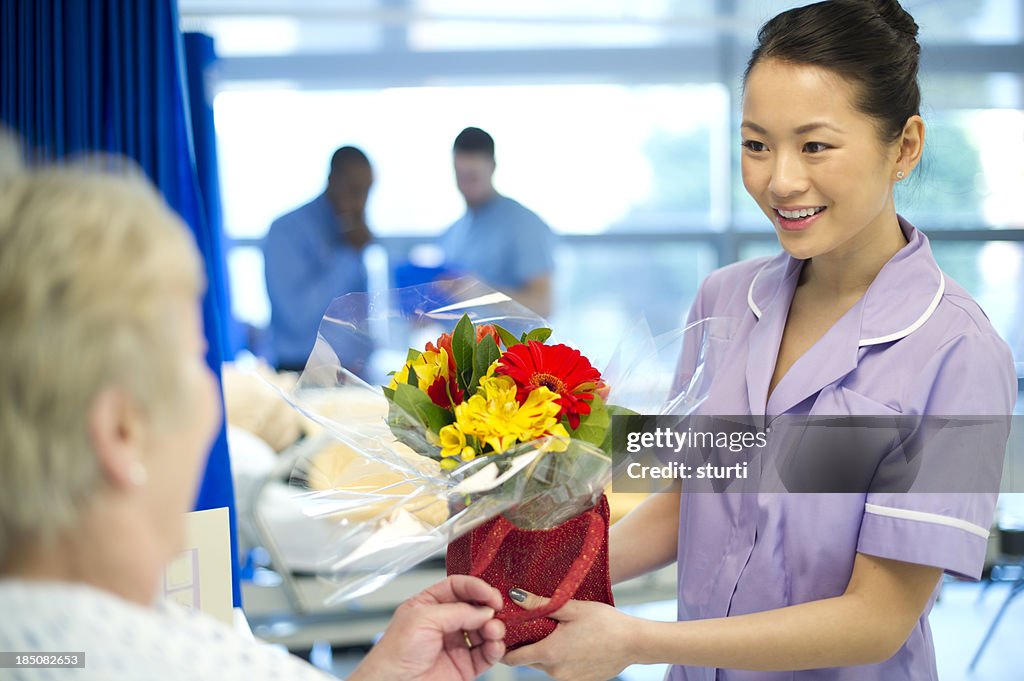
487, 441
482, 391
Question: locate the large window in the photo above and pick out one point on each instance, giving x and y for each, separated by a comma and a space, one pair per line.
614, 120
588, 158
529, 24
602, 288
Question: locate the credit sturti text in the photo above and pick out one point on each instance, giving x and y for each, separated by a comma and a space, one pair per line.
680, 471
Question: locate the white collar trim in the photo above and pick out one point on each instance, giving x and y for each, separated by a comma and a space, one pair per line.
917, 323
750, 293
863, 342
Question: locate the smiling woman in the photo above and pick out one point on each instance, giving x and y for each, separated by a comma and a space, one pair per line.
854, 318
798, 161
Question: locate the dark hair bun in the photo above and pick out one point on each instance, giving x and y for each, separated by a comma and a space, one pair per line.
872, 43
897, 17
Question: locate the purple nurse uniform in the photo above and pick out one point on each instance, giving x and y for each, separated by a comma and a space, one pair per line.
915, 344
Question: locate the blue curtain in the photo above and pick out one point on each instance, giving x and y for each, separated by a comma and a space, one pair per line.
200, 61
109, 75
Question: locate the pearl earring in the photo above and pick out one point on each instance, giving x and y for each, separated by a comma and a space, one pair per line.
900, 174
137, 474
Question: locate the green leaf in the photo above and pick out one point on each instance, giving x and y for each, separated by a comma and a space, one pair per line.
418, 404
413, 354
463, 345
506, 336
388, 392
410, 432
540, 335
616, 410
613, 411
594, 426
406, 398
486, 354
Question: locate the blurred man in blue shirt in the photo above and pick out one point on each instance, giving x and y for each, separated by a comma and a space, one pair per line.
498, 240
315, 254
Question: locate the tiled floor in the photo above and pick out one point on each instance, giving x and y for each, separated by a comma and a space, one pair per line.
959, 622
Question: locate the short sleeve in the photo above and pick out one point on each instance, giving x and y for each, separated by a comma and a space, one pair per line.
534, 249
277, 251
451, 241
967, 391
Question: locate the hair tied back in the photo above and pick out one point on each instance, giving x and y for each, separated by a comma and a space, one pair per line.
898, 18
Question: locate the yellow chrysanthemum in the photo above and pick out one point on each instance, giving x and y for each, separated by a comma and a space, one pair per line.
430, 366
497, 419
498, 389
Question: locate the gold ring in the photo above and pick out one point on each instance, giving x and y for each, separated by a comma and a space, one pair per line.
469, 644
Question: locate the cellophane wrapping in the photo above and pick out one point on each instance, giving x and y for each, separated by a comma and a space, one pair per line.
380, 505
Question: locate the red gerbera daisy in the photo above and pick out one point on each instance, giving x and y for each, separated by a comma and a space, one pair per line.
559, 368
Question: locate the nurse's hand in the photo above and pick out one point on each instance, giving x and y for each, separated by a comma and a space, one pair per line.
590, 643
446, 633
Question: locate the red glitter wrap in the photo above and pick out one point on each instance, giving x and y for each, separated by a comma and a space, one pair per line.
563, 563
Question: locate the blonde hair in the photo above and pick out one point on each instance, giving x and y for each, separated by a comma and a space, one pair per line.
87, 262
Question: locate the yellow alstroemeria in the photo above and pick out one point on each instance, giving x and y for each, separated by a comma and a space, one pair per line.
540, 414
495, 417
453, 444
559, 440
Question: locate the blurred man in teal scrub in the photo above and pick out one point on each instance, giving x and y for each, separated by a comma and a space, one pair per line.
315, 254
498, 240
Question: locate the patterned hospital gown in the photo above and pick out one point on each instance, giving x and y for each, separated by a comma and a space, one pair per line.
123, 641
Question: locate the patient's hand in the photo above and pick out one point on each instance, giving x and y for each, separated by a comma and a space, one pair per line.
430, 635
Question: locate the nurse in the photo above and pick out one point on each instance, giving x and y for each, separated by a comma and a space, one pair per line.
853, 318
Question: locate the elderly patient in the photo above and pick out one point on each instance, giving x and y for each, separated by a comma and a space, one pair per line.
107, 410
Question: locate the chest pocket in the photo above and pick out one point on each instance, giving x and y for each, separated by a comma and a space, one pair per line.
841, 400
841, 447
